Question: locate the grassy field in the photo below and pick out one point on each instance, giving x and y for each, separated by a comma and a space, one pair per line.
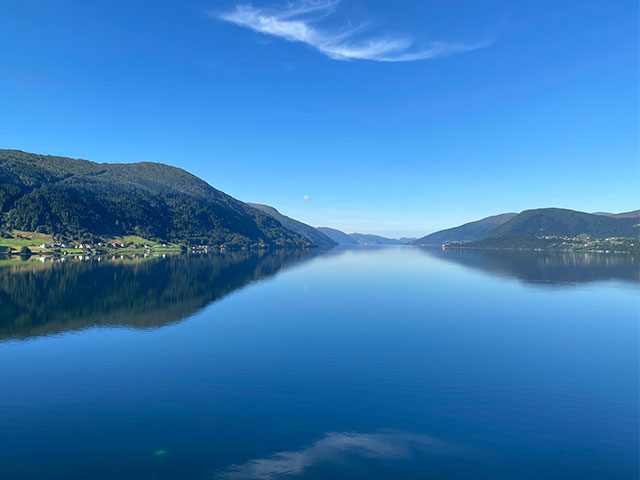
33, 240
155, 246
134, 239
21, 239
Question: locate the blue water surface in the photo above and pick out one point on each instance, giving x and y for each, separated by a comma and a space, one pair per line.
371, 363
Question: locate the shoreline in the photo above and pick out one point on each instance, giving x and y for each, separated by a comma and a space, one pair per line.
538, 249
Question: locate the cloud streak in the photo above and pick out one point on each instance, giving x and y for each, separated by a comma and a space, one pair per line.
334, 447
297, 22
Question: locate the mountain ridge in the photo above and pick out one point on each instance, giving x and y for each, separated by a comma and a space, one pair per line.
469, 231
338, 236
356, 238
565, 222
631, 214
77, 198
311, 233
370, 239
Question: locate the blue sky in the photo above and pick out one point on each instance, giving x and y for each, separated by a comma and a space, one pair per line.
397, 118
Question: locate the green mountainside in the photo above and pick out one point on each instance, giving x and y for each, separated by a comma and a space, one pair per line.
310, 233
545, 229
81, 199
555, 242
568, 223
562, 229
467, 232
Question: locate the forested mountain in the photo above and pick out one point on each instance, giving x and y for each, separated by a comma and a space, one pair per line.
545, 228
568, 223
82, 199
310, 233
467, 232
338, 236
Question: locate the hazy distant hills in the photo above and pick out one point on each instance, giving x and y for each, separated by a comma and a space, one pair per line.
307, 231
634, 213
342, 238
79, 198
368, 239
467, 232
337, 236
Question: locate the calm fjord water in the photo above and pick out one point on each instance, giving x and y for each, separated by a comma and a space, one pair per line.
372, 363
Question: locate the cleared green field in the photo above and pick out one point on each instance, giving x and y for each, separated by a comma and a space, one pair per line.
33, 240
133, 239
21, 239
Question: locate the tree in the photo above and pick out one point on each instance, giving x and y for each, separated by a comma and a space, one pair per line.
25, 250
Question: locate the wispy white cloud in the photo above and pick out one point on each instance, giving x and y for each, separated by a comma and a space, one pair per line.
332, 447
297, 22
306, 197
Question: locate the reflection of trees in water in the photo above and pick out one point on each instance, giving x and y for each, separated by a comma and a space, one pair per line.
42, 299
551, 268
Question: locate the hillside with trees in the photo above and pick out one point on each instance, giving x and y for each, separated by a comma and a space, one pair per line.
466, 232
567, 223
79, 199
311, 233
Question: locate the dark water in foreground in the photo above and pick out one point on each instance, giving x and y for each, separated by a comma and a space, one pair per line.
369, 363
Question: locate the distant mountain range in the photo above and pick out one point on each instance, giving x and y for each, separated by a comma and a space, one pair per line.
540, 228
342, 238
337, 236
326, 237
82, 199
311, 233
368, 239
634, 213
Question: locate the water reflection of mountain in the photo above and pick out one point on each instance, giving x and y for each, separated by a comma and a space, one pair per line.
41, 299
547, 268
